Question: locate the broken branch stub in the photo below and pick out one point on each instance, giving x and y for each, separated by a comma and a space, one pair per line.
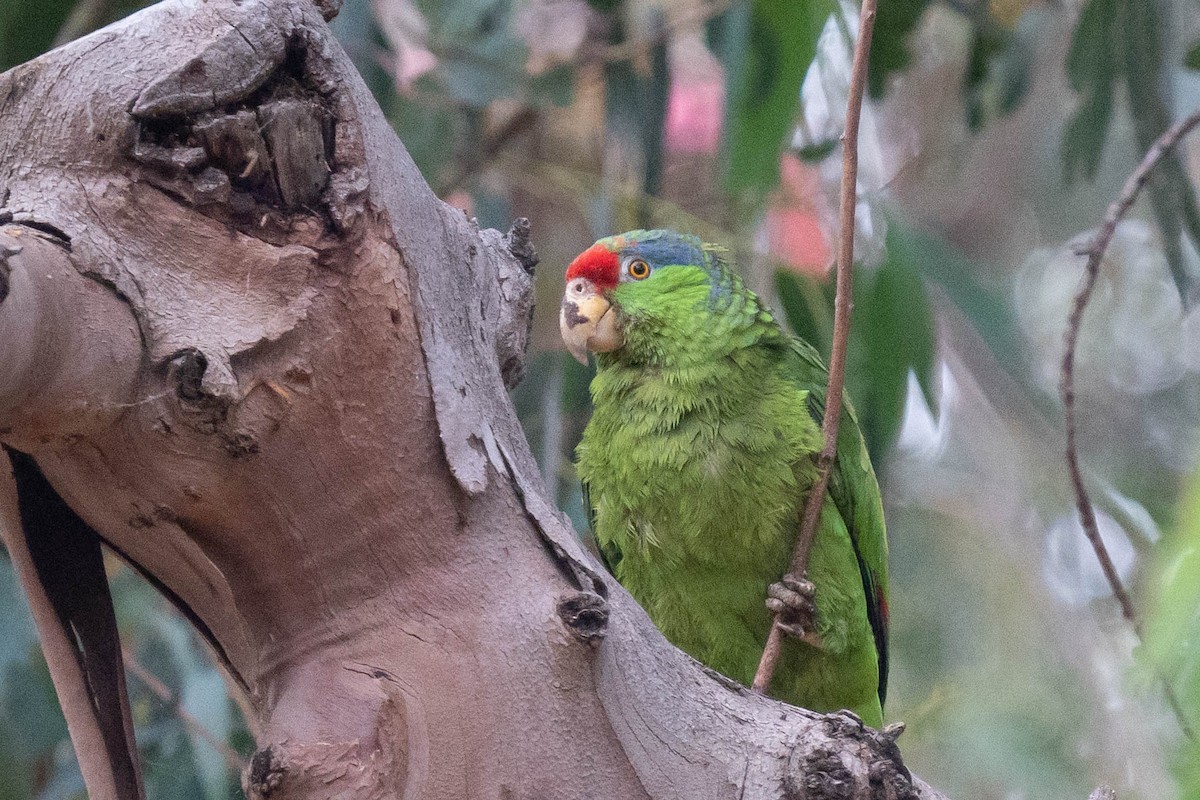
289, 412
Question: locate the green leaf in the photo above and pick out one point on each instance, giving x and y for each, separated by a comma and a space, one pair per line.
818, 151
1123, 40
16, 783
1192, 59
899, 336
428, 133
359, 34
17, 635
991, 316
1170, 190
892, 334
770, 49
894, 21
30, 703
998, 70
807, 307
1173, 628
28, 27
1093, 65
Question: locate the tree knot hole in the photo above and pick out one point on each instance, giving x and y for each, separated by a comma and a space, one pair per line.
586, 615
848, 761
819, 774
186, 370
263, 775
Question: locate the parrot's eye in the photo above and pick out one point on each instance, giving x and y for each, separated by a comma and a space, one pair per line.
638, 270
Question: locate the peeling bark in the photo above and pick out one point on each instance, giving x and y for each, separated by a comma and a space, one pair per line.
267, 367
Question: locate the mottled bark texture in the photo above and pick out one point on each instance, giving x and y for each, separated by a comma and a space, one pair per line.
244, 346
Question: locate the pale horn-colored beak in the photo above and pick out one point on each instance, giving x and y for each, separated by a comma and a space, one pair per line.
587, 321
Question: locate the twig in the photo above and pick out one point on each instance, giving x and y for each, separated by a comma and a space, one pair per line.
841, 332
520, 122
85, 17
1095, 253
164, 693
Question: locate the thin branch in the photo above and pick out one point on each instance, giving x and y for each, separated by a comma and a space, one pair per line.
841, 331
1095, 253
164, 693
520, 122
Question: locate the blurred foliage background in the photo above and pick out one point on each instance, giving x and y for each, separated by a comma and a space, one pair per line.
997, 132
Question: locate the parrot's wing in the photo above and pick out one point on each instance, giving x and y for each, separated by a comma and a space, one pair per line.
855, 492
609, 552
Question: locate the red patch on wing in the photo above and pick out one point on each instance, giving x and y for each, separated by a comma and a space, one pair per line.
598, 264
882, 602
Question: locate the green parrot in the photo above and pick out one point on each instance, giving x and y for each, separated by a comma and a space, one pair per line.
696, 462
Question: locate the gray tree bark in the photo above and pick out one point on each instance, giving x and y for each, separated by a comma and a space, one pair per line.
243, 345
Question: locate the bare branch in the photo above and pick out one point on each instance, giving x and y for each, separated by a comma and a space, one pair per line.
1095, 253
841, 331
164, 693
489, 149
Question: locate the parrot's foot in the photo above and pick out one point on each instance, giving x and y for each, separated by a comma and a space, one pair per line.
791, 600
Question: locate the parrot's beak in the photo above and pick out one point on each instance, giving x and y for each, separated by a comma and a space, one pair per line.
588, 322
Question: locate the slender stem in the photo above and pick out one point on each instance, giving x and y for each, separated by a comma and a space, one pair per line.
520, 122
164, 693
841, 331
1095, 253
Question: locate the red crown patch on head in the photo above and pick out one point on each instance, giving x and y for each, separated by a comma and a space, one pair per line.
598, 264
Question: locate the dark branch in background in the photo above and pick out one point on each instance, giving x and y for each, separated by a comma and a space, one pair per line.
841, 331
85, 17
164, 693
1095, 253
520, 122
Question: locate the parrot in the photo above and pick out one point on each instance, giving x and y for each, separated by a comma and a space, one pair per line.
696, 462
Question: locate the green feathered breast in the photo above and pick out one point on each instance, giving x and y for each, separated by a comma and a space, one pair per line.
696, 463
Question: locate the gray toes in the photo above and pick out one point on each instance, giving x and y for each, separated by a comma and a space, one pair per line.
788, 599
799, 584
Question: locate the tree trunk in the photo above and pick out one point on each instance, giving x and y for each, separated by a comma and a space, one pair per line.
244, 345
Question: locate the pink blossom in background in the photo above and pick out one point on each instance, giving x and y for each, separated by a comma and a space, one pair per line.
795, 239
695, 113
461, 200
411, 63
406, 30
794, 234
